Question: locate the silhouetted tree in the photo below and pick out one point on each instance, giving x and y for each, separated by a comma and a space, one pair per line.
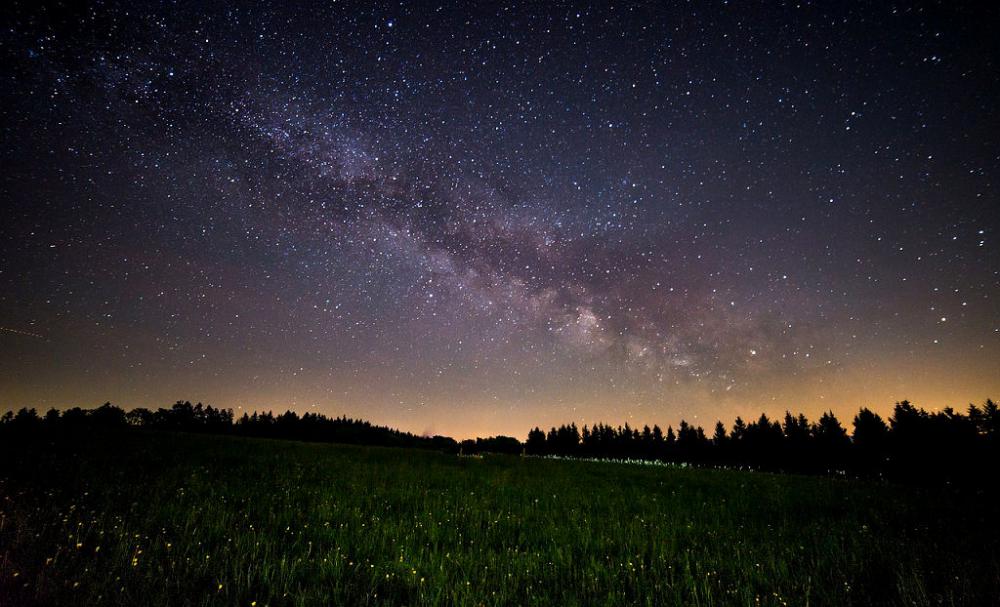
52, 417
108, 416
536, 442
832, 442
26, 420
871, 442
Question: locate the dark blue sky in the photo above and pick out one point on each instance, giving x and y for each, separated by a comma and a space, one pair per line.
471, 221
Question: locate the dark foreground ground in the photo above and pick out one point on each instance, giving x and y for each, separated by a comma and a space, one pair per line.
155, 519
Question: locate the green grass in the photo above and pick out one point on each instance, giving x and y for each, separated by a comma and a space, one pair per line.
159, 519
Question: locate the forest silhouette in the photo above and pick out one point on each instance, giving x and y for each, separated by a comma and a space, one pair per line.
913, 445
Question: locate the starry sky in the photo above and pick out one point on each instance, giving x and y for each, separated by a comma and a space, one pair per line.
472, 220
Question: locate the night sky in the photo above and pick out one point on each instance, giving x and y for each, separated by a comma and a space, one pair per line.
470, 221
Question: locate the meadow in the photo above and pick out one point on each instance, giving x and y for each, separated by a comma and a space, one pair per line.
146, 518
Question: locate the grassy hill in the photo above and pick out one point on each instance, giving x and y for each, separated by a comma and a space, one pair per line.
172, 519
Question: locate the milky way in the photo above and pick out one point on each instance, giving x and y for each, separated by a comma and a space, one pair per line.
471, 221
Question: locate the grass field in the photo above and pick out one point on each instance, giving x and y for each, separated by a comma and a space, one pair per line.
153, 519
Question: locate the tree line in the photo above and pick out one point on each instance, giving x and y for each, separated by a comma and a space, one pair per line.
182, 416
912, 444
